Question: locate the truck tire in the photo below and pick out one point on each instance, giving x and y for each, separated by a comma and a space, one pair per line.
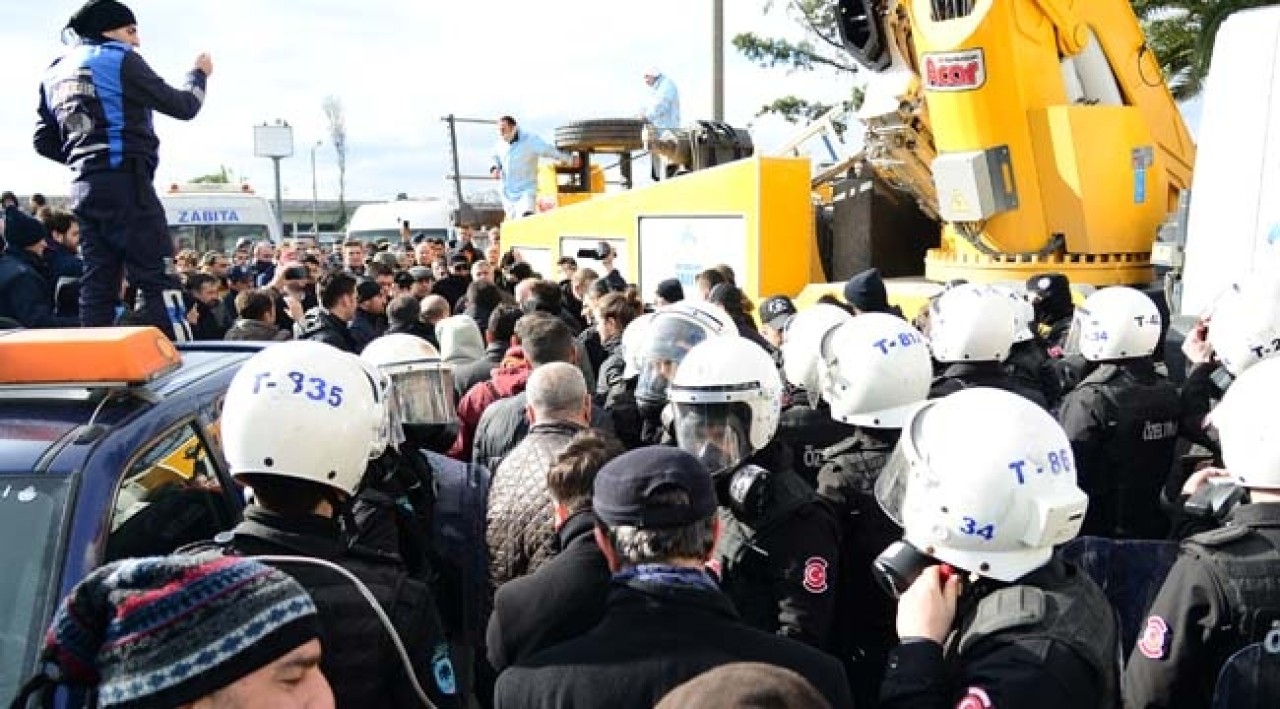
612, 135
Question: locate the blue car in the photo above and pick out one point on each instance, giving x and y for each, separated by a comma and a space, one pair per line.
93, 470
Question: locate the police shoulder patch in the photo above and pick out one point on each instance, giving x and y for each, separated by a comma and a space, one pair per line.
815, 575
1154, 641
975, 698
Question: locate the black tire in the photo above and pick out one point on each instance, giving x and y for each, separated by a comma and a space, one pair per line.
612, 135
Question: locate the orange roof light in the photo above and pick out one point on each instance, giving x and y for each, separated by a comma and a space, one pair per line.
90, 356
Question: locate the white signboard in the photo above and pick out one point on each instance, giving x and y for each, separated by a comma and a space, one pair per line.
540, 261
571, 245
682, 246
273, 141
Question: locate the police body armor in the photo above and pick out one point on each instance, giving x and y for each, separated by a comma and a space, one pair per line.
1066, 607
1246, 563
864, 630
1139, 448
754, 503
808, 432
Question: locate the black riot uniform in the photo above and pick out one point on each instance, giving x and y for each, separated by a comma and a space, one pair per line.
1031, 367
1047, 641
1205, 385
1223, 593
360, 662
778, 551
808, 431
964, 375
1122, 421
864, 618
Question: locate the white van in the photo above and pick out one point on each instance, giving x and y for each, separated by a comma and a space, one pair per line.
372, 222
1234, 224
214, 217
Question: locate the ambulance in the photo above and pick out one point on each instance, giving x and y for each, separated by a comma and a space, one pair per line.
211, 217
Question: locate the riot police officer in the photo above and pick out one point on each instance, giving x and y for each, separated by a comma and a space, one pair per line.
983, 484
1224, 590
660, 346
778, 547
1029, 363
873, 369
971, 331
1050, 295
807, 426
1123, 418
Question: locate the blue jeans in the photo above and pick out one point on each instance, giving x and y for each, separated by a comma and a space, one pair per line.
123, 231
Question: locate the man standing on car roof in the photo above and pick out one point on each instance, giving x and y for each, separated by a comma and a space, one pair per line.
95, 117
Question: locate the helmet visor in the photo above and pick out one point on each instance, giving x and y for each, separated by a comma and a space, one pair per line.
891, 484
422, 394
714, 433
1076, 335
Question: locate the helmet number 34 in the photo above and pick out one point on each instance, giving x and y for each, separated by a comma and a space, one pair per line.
314, 388
972, 528
1056, 463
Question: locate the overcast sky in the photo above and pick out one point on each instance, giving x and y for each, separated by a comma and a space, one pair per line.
398, 66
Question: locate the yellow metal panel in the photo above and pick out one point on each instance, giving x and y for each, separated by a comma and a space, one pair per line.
769, 193
1103, 175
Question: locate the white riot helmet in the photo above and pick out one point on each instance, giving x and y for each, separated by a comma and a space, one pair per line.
1245, 325
1247, 429
308, 411
421, 391
632, 336
669, 337
1024, 313
727, 397
983, 480
802, 348
971, 323
877, 368
1115, 323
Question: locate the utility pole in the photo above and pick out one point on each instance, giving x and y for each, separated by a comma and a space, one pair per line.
457, 174
315, 220
275, 142
717, 60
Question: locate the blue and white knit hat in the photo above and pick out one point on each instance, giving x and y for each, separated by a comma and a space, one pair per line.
165, 631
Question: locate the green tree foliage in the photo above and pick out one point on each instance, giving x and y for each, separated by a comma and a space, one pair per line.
1181, 34
222, 177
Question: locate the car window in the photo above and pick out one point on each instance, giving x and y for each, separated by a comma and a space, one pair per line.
170, 496
32, 509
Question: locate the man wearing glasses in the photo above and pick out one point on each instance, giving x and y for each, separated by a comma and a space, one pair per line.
95, 117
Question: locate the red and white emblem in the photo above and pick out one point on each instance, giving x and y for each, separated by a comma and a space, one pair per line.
1155, 638
975, 698
815, 575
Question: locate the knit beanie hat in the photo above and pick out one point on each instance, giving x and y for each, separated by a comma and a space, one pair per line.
98, 16
166, 631
21, 229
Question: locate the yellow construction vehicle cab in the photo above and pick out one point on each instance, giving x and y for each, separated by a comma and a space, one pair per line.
1004, 138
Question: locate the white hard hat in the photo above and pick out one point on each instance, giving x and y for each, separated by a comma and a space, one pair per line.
669, 337
877, 368
653, 71
308, 411
632, 336
727, 397
1117, 322
1245, 323
802, 348
984, 480
421, 385
971, 323
1246, 428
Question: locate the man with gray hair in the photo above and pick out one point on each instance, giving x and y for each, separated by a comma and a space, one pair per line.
434, 309
520, 529
666, 620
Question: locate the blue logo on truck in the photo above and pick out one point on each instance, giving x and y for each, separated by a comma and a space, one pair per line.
207, 216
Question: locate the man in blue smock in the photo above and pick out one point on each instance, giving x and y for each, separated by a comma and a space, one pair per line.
95, 116
662, 109
515, 162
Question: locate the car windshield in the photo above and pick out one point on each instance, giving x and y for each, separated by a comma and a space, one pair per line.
220, 237
31, 510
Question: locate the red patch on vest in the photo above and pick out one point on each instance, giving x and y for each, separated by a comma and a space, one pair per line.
975, 699
815, 575
1153, 643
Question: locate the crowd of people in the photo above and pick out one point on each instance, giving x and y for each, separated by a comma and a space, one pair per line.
828, 502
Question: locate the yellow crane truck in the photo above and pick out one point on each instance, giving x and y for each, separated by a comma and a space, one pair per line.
1004, 137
